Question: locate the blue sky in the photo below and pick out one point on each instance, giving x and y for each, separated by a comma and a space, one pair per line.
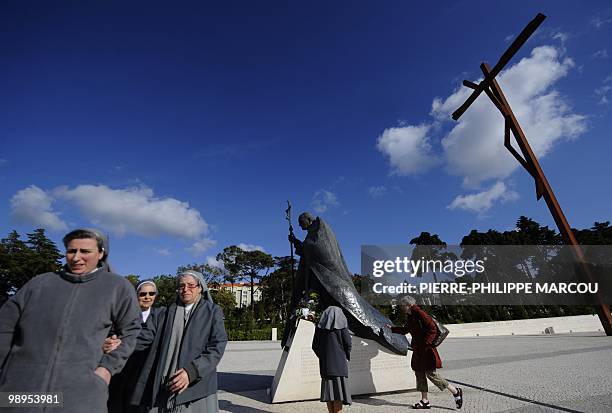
183, 129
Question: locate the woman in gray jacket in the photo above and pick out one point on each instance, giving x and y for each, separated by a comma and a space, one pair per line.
52, 329
332, 345
186, 343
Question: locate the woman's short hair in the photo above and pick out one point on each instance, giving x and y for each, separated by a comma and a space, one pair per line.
83, 234
406, 300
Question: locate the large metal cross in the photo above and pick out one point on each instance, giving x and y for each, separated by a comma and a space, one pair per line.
528, 160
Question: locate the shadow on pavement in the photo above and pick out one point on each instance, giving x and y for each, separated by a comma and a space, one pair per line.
240, 382
236, 408
370, 401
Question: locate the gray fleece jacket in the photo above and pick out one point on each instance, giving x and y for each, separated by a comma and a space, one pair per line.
51, 335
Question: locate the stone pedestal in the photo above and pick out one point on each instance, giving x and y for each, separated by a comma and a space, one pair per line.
372, 369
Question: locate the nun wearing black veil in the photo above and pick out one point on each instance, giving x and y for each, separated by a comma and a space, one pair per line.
186, 343
332, 345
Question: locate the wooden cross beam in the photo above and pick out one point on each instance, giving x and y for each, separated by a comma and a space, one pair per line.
503, 60
527, 158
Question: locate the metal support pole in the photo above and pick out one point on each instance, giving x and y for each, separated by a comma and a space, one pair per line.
603, 309
529, 161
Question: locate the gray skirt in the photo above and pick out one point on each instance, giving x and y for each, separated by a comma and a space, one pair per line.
335, 388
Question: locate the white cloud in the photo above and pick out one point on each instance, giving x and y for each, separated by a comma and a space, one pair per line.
250, 247
377, 191
135, 210
408, 149
483, 201
474, 146
212, 261
599, 21
3, 162
600, 54
324, 200
201, 246
164, 252
122, 211
562, 37
33, 206
602, 92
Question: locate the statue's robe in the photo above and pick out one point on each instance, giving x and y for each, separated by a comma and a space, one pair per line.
322, 269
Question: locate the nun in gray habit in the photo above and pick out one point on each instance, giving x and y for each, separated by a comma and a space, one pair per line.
332, 345
187, 342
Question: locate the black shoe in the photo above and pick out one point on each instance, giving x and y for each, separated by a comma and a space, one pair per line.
422, 405
459, 398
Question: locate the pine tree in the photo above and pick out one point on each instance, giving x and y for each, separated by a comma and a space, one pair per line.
45, 256
21, 261
15, 258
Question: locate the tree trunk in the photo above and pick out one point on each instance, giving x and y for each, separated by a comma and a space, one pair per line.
252, 294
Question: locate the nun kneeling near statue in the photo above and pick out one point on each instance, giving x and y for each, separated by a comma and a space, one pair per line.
187, 342
332, 345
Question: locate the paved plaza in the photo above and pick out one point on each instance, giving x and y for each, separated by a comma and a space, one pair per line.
545, 373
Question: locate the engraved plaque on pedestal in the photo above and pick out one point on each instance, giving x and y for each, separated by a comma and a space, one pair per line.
372, 369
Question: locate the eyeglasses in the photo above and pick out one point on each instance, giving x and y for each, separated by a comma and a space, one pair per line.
145, 293
187, 286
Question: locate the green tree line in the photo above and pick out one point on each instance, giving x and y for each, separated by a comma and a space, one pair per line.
21, 260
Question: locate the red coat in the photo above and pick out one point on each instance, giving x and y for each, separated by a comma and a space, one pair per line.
423, 331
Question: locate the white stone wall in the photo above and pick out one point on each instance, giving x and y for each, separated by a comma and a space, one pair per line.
571, 324
372, 369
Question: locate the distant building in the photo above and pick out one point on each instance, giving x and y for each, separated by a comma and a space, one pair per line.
242, 293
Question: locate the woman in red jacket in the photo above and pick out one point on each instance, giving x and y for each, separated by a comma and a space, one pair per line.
425, 357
